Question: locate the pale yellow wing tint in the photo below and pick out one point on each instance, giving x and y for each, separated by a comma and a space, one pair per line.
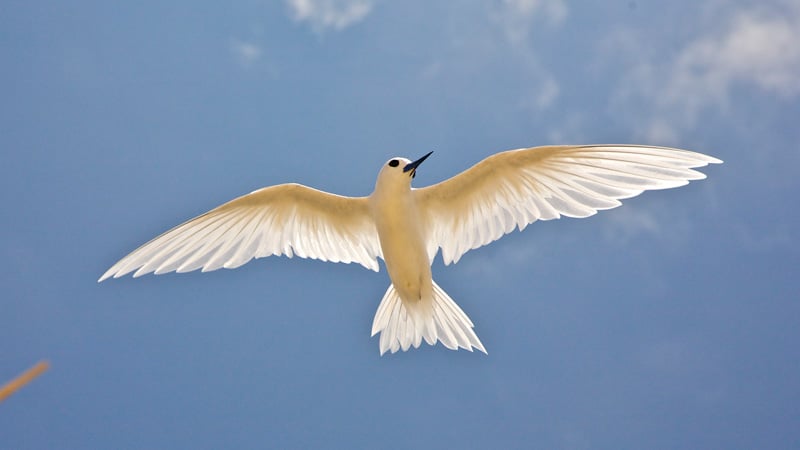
515, 188
287, 219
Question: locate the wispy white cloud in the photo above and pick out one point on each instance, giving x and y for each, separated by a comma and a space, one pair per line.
547, 94
659, 129
495, 40
246, 53
325, 15
541, 93
653, 220
756, 47
570, 129
517, 17
629, 222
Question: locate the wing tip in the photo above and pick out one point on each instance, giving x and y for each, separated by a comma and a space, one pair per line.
110, 273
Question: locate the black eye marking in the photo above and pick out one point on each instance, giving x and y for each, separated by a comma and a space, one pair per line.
394, 163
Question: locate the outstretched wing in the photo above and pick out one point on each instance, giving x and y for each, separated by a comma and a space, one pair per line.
518, 187
287, 219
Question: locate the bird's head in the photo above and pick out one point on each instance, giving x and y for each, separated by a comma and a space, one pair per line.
399, 171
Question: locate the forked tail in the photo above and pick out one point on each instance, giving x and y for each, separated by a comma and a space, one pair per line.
401, 328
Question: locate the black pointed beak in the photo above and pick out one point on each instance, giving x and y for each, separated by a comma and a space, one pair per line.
412, 166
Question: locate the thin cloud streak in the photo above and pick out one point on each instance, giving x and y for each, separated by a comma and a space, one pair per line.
324, 15
246, 53
518, 16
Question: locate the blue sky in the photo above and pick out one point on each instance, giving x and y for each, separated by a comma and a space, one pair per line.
670, 322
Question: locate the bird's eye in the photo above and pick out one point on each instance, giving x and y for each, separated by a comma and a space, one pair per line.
394, 163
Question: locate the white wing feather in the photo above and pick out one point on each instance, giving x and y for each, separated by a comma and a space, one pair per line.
518, 187
287, 219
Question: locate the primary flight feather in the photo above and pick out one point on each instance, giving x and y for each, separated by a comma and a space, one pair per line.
406, 227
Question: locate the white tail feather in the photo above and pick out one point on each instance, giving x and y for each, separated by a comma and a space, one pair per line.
401, 327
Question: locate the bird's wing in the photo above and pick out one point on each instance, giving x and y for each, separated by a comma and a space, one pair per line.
287, 219
517, 187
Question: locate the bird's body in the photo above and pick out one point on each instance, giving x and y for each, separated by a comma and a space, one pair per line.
402, 238
406, 227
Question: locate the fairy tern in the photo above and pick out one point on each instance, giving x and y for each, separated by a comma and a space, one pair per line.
406, 227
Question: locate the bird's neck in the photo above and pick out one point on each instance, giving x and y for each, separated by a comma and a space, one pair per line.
388, 191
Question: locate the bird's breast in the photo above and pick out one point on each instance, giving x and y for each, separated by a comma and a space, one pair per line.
403, 244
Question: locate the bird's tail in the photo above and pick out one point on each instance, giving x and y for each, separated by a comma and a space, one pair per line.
401, 327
